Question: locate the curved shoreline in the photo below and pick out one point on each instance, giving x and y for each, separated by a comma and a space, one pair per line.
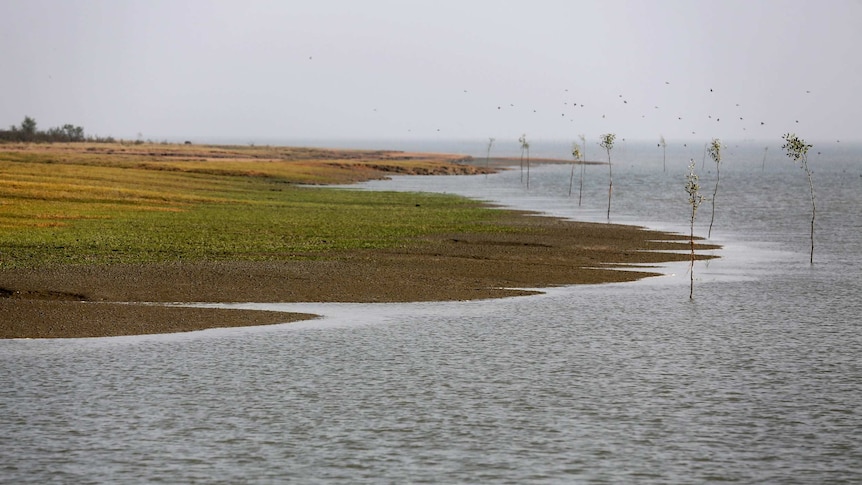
90, 301
66, 300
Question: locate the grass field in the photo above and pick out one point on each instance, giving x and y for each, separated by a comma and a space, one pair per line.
114, 203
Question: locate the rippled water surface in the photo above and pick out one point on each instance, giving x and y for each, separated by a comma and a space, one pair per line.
755, 380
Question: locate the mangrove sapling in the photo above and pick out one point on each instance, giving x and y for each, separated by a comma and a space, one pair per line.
663, 146
763, 164
797, 151
692, 187
608, 144
583, 165
576, 157
523, 141
714, 153
527, 147
491, 141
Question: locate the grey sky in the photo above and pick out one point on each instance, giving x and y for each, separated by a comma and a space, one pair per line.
379, 69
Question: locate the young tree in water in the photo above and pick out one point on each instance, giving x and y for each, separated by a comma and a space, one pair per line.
692, 187
491, 141
714, 151
525, 148
523, 141
583, 165
576, 157
608, 144
797, 150
663, 146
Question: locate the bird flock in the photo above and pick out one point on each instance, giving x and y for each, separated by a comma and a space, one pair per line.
682, 110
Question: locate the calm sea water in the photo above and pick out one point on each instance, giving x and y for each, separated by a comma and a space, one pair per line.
758, 379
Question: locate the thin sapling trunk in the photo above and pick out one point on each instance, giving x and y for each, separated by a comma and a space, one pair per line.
488, 156
714, 153
692, 187
797, 151
583, 166
608, 144
576, 157
523, 141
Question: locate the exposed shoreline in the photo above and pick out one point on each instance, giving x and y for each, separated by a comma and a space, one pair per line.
69, 301
91, 301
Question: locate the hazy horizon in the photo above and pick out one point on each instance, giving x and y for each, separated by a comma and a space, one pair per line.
411, 71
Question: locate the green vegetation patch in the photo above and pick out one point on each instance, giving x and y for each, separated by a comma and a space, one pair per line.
55, 212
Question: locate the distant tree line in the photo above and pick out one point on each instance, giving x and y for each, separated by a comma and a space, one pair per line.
27, 132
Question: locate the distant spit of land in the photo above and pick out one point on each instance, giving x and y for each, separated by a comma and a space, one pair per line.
104, 239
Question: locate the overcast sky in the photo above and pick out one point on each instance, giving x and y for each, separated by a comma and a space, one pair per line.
403, 69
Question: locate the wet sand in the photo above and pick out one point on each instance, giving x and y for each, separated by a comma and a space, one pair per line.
96, 301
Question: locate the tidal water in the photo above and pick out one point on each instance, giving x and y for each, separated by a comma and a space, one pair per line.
758, 379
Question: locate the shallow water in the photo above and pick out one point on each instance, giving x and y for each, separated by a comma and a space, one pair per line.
755, 380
